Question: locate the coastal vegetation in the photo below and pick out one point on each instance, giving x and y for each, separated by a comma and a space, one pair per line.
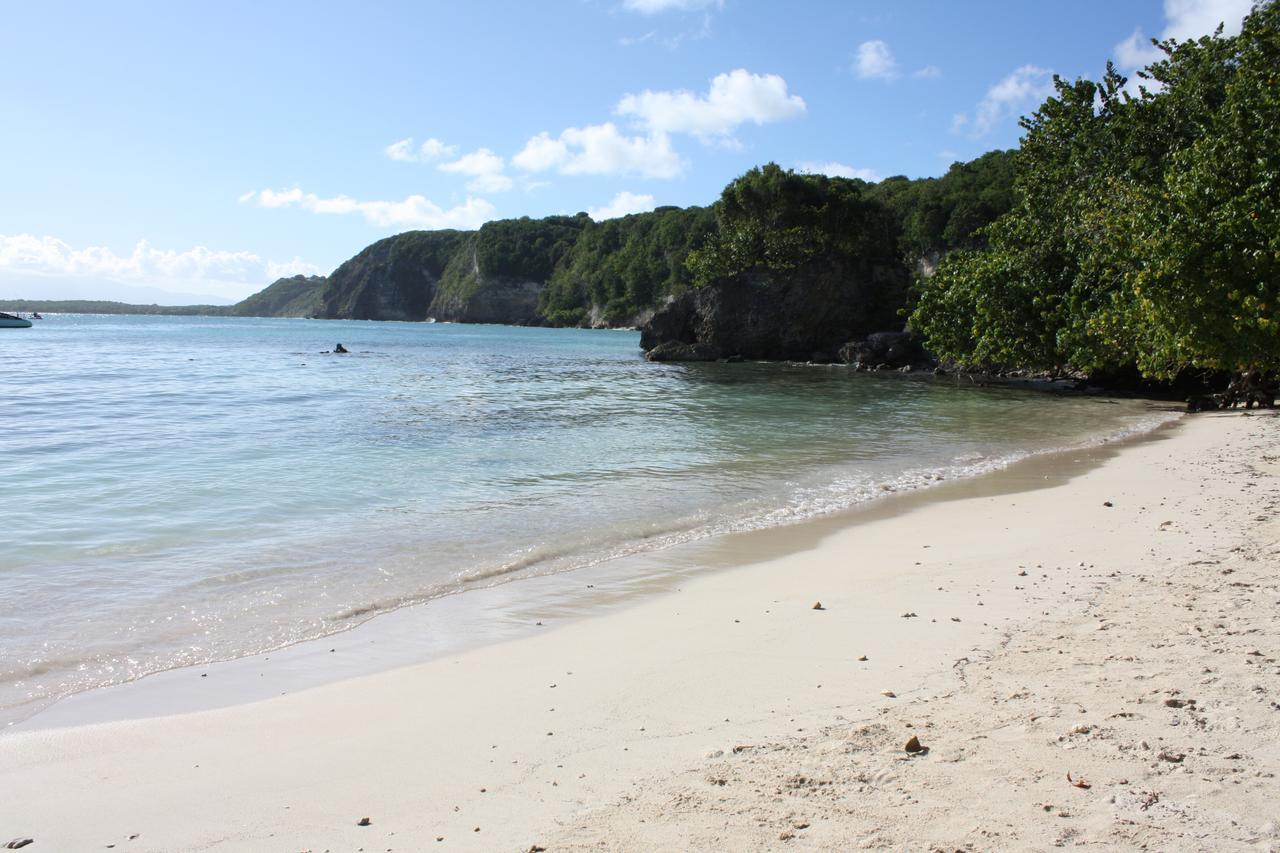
1145, 230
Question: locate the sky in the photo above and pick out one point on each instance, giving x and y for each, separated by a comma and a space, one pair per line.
181, 152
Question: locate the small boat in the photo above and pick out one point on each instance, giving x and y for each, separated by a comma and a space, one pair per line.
9, 321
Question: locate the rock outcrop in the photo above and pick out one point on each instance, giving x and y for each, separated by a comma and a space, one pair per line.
803, 314
885, 349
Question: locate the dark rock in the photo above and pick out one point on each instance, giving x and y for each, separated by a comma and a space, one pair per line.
680, 351
19, 843
364, 821
913, 745
884, 349
1202, 403
673, 323
802, 314
817, 605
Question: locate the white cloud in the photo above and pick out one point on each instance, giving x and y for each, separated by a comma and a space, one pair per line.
1189, 19
600, 149
288, 269
485, 169
200, 269
271, 198
479, 162
428, 152
653, 7
1023, 88
929, 72
734, 98
623, 203
414, 211
836, 170
1184, 19
1136, 51
875, 61
541, 153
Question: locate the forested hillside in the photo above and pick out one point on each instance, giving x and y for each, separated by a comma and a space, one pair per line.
572, 271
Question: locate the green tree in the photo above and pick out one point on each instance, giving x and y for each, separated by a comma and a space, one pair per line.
1144, 231
777, 219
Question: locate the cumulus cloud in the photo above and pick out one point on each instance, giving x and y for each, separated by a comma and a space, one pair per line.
653, 7
199, 268
875, 61
1023, 88
600, 149
288, 269
836, 170
415, 211
485, 169
733, 99
623, 204
541, 153
1184, 19
428, 152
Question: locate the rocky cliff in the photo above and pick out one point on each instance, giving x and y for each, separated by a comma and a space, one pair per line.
393, 279
494, 275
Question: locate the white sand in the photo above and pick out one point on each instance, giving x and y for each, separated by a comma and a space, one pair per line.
619, 732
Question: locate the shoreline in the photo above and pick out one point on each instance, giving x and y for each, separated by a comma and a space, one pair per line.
512, 744
509, 608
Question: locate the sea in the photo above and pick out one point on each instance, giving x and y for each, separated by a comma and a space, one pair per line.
182, 490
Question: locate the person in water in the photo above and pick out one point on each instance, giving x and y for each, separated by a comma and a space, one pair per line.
339, 349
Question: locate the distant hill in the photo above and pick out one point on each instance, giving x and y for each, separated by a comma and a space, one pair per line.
97, 306
299, 296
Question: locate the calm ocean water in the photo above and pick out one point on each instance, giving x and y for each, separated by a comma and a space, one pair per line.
179, 490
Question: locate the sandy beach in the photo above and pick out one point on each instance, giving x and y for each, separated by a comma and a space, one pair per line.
1107, 622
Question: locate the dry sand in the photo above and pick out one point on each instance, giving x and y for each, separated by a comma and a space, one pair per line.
1132, 644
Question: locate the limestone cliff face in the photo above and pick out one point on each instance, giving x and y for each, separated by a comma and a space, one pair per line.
800, 314
467, 293
393, 279
494, 275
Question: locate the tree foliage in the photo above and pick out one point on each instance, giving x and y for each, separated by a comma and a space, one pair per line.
620, 267
778, 219
938, 215
1144, 227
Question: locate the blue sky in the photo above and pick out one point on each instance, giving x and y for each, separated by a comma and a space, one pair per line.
177, 152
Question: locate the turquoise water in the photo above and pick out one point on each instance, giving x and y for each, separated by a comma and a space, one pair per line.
178, 490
